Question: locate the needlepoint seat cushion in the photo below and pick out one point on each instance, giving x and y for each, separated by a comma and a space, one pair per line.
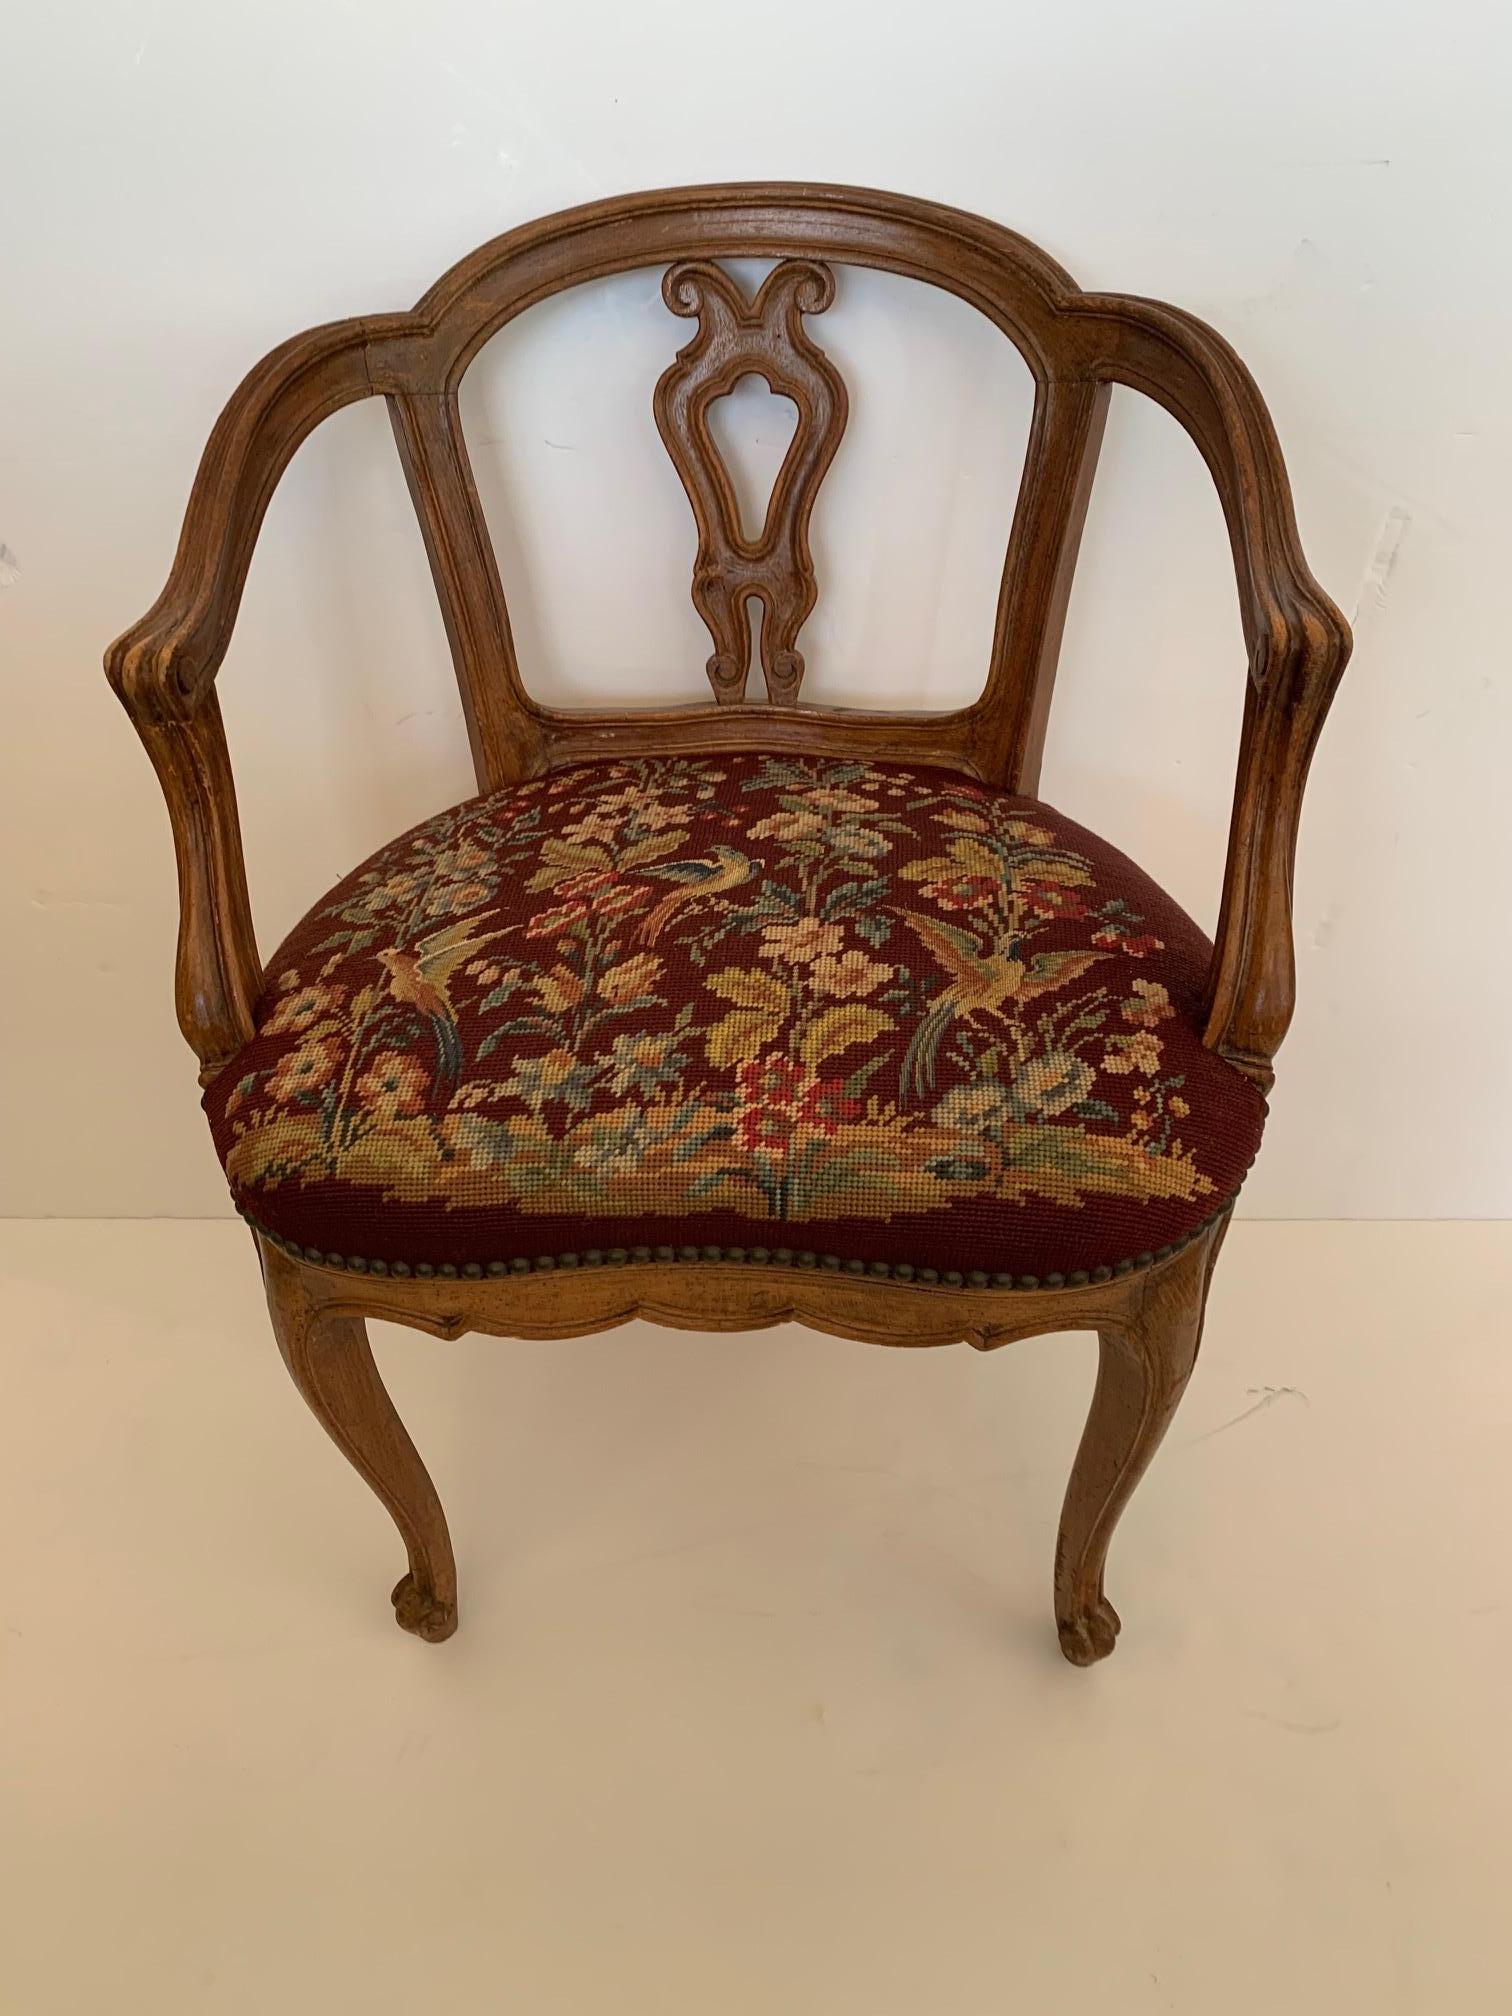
739, 1005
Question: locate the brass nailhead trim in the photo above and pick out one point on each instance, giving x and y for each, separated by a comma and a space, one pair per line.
747, 1256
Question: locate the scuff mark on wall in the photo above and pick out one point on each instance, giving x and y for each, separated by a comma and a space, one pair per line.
1323, 930
1383, 560
50, 899
10, 568
1263, 1397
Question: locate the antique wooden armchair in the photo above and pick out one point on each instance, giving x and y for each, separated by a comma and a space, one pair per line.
728, 1015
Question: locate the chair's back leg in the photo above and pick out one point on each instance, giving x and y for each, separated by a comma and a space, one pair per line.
330, 1362
1143, 1366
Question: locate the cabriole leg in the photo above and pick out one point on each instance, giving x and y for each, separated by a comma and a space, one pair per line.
330, 1362
1145, 1360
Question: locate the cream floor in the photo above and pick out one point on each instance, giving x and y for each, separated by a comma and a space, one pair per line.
756, 1705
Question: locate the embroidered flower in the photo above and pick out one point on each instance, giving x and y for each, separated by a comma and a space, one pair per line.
452, 899
313, 1064
299, 1009
788, 826
1132, 1053
632, 980
622, 898
830, 800
598, 824
860, 843
559, 989
654, 818
851, 977
551, 923
1052, 1084
798, 944
771, 1078
394, 892
537, 1079
394, 1085
769, 1089
1026, 832
585, 882
599, 889
781, 1099
1120, 938
1049, 899
824, 1107
1149, 1005
632, 799
963, 892
611, 1142
643, 1063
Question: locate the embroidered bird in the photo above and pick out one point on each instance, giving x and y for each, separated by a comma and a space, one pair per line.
419, 977
979, 985
722, 868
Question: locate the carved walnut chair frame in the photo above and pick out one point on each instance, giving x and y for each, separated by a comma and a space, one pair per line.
1077, 346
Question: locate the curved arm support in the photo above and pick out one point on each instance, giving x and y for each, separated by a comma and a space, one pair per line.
217, 973
163, 669
1297, 641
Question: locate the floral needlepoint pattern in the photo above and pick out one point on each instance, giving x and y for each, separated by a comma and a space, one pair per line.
876, 1012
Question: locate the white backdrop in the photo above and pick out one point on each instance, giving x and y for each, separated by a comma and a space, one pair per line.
187, 183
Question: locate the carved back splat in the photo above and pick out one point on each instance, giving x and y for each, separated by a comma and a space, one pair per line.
765, 337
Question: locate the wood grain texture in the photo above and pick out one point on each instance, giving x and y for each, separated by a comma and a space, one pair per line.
1077, 346
725, 1295
433, 454
330, 1361
1145, 1357
1149, 1324
735, 339
217, 973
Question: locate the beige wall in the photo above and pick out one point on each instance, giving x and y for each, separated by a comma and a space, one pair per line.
187, 184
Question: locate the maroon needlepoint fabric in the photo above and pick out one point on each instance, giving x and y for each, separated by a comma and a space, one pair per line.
746, 1000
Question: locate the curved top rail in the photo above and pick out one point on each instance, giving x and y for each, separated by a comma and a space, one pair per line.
1005, 276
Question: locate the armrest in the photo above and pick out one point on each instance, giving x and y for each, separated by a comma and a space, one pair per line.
1297, 641
163, 669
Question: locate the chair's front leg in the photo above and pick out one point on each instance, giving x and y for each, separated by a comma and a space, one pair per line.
330, 1362
1144, 1363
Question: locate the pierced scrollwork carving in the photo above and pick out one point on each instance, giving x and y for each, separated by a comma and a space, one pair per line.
737, 337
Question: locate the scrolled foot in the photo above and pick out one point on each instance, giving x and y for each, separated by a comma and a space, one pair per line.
421, 1611
1091, 1634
